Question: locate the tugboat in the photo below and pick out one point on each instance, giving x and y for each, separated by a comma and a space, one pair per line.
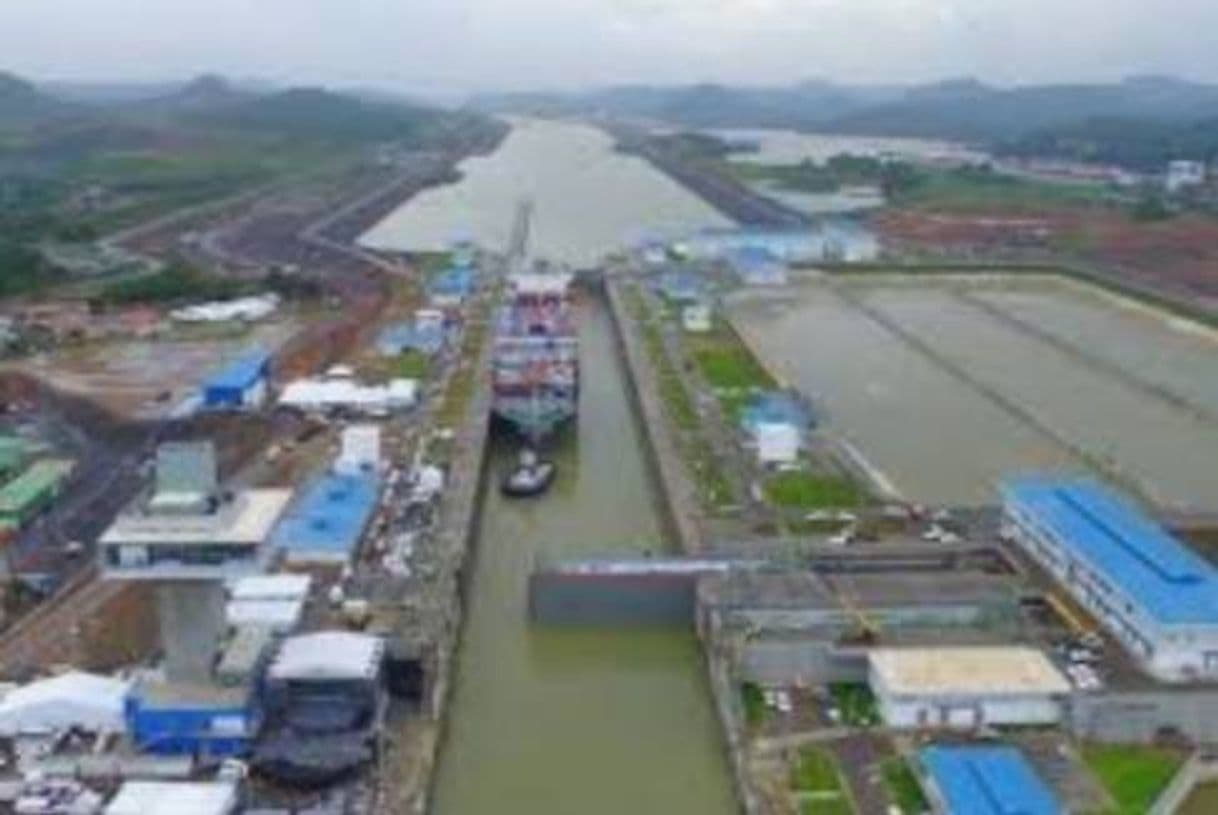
531, 476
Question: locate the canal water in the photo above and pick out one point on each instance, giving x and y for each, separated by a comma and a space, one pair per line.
552, 721
589, 200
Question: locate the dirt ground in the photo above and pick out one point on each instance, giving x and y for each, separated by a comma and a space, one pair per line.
1180, 254
146, 379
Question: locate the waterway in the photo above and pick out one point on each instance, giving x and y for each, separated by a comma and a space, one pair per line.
590, 721
990, 398
589, 200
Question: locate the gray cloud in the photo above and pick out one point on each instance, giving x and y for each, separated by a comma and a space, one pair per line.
469, 44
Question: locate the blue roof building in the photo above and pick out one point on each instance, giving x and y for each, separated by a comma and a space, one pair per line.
681, 286
451, 286
239, 384
207, 721
986, 780
758, 266
410, 336
1148, 588
326, 522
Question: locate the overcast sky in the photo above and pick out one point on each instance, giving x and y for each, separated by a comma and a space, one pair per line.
457, 45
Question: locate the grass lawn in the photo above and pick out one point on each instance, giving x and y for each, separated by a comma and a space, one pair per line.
804, 490
818, 784
753, 699
411, 365
1134, 775
903, 787
856, 703
730, 366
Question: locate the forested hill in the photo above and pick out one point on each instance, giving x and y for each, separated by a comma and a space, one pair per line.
1138, 122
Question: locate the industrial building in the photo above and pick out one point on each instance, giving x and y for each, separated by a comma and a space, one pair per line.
325, 524
757, 266
966, 687
175, 798
985, 780
424, 334
188, 536
1146, 587
242, 383
451, 287
799, 627
681, 286
202, 719
697, 317
325, 700
13, 453
776, 423
31, 492
70, 701
790, 246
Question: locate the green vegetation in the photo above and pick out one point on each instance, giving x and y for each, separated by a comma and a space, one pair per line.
818, 784
972, 189
704, 465
753, 700
800, 489
1134, 775
856, 703
731, 366
411, 365
178, 282
903, 787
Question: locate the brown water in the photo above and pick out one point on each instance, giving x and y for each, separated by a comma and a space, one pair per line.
548, 721
939, 438
589, 200
936, 439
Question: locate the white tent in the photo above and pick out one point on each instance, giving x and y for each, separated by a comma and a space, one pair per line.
174, 798
777, 443
87, 701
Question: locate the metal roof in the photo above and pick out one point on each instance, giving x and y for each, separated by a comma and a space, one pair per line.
326, 655
241, 372
988, 671
1117, 540
30, 486
987, 780
326, 522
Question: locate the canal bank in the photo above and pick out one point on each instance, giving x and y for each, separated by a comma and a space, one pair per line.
548, 720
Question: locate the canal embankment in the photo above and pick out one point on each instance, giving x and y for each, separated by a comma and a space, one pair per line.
678, 492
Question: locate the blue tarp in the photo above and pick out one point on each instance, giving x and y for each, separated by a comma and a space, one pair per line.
681, 286
988, 780
190, 729
776, 407
1117, 540
329, 516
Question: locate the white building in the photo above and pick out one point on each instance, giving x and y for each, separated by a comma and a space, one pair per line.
696, 318
1184, 174
1148, 589
777, 443
360, 451
966, 687
175, 798
245, 309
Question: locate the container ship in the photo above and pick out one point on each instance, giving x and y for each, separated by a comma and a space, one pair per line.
535, 369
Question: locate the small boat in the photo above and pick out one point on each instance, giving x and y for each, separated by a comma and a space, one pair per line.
531, 476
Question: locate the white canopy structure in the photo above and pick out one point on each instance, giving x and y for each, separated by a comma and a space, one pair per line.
328, 655
86, 701
328, 393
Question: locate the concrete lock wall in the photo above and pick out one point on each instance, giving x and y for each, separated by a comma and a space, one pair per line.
558, 598
811, 662
1140, 717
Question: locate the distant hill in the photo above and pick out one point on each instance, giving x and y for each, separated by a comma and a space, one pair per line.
962, 109
321, 114
22, 102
